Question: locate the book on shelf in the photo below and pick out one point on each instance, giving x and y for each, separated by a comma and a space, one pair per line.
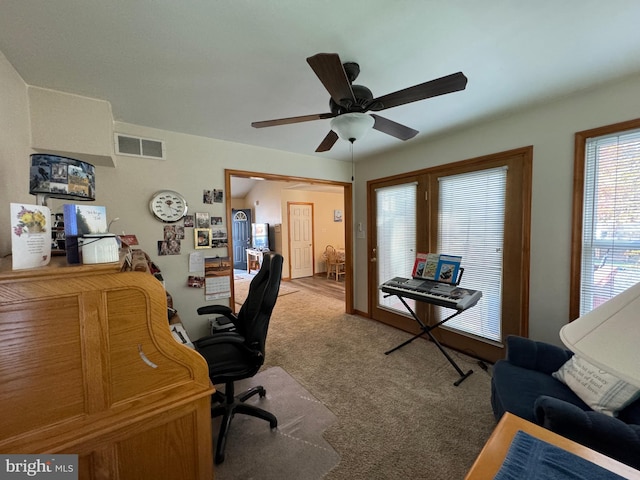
437, 267
80, 220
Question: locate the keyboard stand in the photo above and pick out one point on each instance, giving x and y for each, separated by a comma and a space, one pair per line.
427, 329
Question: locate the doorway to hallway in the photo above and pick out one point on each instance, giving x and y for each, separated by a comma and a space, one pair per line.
236, 181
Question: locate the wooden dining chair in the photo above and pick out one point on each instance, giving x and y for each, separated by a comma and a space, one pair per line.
335, 266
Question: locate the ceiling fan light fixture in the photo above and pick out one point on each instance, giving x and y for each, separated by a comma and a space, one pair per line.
352, 126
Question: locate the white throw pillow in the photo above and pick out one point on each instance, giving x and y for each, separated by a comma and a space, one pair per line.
599, 389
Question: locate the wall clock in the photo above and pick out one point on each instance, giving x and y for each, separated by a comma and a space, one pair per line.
168, 206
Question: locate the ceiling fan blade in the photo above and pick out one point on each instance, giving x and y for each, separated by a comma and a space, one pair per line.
329, 69
440, 86
285, 121
328, 142
392, 128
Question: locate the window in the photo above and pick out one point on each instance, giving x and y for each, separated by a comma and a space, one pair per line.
396, 227
606, 236
472, 225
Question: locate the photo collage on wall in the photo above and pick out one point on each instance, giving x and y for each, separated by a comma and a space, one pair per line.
173, 236
210, 272
208, 231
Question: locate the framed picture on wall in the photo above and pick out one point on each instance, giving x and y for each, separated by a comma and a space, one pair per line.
202, 220
202, 237
337, 215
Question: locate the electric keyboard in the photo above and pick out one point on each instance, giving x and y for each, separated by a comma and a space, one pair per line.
436, 293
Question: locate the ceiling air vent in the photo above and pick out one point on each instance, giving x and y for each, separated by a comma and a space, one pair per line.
139, 147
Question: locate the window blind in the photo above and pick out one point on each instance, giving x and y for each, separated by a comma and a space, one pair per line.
396, 227
471, 224
611, 218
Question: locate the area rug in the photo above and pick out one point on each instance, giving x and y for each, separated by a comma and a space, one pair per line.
297, 445
241, 289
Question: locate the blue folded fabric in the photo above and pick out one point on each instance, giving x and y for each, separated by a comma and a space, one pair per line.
530, 458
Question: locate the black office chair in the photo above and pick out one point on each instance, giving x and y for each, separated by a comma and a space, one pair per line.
234, 355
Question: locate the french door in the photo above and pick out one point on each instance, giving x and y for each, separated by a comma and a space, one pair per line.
396, 232
478, 209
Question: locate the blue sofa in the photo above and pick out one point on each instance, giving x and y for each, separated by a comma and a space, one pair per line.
522, 384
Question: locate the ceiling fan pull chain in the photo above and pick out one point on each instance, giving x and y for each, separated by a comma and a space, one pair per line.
352, 167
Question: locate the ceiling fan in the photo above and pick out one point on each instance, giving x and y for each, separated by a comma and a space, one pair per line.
347, 98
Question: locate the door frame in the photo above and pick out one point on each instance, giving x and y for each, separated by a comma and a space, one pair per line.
515, 298
347, 217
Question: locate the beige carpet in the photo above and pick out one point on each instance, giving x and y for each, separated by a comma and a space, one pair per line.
399, 415
241, 288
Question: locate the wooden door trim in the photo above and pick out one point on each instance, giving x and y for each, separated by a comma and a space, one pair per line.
347, 217
517, 270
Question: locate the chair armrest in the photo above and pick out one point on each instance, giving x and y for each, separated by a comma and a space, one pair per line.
218, 310
598, 431
539, 356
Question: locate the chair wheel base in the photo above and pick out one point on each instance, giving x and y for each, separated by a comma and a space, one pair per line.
235, 404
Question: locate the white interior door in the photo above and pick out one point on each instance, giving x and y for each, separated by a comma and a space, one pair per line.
301, 239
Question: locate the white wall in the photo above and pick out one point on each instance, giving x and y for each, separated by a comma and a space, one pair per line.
193, 164
550, 129
71, 125
14, 147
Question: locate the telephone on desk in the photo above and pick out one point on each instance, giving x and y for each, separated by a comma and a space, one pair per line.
180, 334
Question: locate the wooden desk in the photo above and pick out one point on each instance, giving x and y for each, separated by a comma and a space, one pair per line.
89, 367
495, 450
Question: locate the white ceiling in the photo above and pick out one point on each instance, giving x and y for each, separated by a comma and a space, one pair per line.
240, 186
211, 67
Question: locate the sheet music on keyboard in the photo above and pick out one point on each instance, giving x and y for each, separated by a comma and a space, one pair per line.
432, 292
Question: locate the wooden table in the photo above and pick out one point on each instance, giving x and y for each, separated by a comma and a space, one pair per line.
254, 255
493, 453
